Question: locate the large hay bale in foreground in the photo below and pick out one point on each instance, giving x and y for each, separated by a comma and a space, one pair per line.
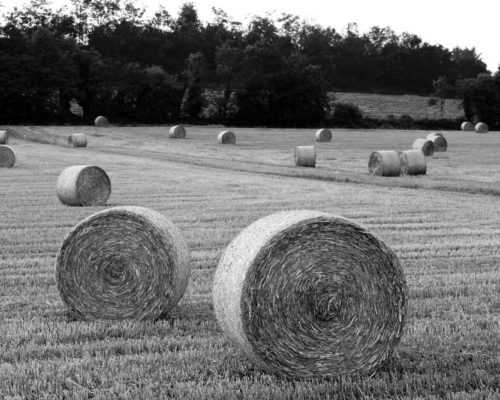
123, 263
467, 126
83, 185
309, 295
7, 157
384, 163
77, 140
413, 162
323, 135
4, 137
425, 145
439, 141
226, 137
177, 132
481, 127
305, 156
101, 121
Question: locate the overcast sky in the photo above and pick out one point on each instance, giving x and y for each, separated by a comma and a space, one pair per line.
447, 22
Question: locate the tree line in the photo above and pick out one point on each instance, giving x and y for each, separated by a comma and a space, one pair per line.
113, 60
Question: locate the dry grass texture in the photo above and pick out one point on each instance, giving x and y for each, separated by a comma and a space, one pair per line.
481, 127
4, 137
384, 163
439, 141
123, 263
7, 157
101, 121
83, 185
307, 295
305, 156
323, 135
413, 162
77, 140
467, 126
425, 145
177, 132
226, 137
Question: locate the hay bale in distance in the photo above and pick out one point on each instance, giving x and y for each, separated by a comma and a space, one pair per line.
101, 121
4, 137
7, 157
427, 146
122, 263
306, 294
467, 126
384, 163
323, 135
305, 156
413, 162
440, 142
77, 140
177, 132
83, 185
481, 127
226, 137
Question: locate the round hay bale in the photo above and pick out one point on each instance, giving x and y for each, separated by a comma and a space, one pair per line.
440, 142
177, 132
467, 126
426, 146
83, 185
226, 137
384, 163
323, 135
4, 137
305, 156
122, 263
101, 121
310, 295
7, 157
77, 140
481, 127
413, 162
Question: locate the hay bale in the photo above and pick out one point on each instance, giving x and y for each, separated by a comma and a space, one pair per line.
83, 185
77, 140
226, 137
323, 135
122, 263
439, 141
309, 295
481, 127
384, 163
101, 121
7, 157
177, 132
305, 156
467, 126
413, 162
4, 137
426, 146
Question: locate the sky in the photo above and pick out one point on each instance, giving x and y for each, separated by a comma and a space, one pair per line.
451, 23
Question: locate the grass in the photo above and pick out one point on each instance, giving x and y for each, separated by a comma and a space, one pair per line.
448, 240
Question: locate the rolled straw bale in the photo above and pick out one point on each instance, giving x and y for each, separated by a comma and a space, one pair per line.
384, 163
481, 127
427, 146
177, 132
101, 121
4, 137
413, 162
7, 157
307, 294
83, 185
323, 135
440, 142
226, 137
305, 156
122, 263
467, 126
77, 140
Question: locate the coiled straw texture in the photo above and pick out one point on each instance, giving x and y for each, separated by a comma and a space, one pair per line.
481, 127
83, 185
323, 135
427, 146
77, 140
123, 263
226, 137
4, 137
384, 163
413, 162
177, 132
467, 126
7, 157
305, 156
439, 141
306, 294
101, 121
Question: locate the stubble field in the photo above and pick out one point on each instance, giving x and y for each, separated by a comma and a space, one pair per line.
445, 228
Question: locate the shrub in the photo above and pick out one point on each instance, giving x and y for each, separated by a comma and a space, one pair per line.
347, 115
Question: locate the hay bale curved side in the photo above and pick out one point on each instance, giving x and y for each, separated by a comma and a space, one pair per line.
77, 140
323, 135
467, 126
384, 163
307, 294
83, 185
4, 137
7, 157
101, 121
226, 137
177, 132
305, 156
413, 162
439, 141
481, 127
123, 263
427, 146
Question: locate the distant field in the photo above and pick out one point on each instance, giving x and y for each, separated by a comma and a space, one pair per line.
445, 227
